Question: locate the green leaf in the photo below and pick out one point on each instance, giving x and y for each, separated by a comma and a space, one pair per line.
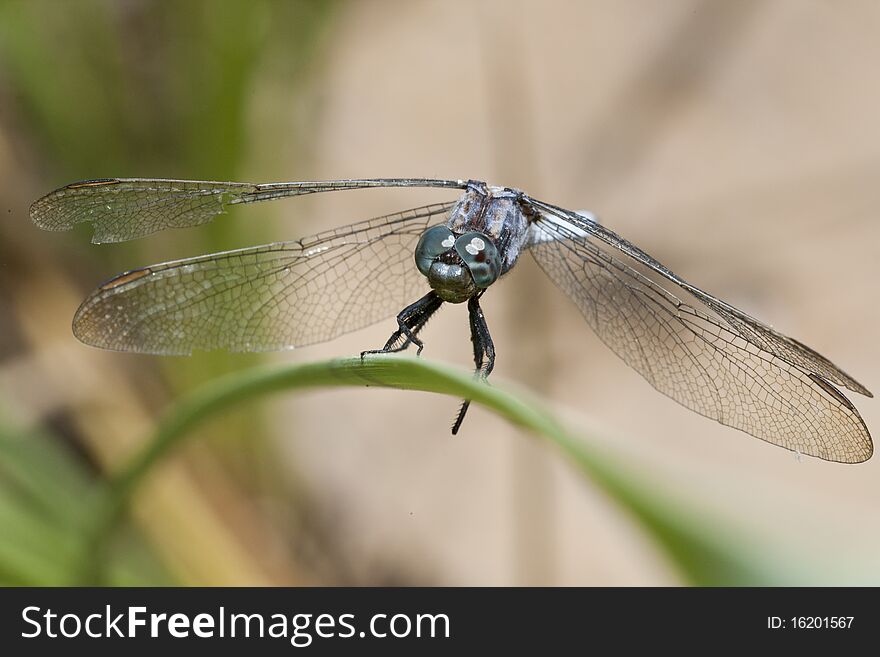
699, 546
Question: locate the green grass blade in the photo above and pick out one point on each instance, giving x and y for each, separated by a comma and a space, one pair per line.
702, 553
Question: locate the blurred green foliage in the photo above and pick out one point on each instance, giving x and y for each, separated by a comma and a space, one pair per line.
165, 88
49, 503
149, 88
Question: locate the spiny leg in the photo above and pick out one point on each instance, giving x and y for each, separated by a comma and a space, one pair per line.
410, 321
484, 352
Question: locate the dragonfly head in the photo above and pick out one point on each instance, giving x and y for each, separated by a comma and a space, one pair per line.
457, 266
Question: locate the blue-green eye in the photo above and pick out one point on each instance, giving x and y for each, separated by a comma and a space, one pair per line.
481, 257
433, 242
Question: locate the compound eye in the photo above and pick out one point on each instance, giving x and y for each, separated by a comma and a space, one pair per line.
481, 257
433, 242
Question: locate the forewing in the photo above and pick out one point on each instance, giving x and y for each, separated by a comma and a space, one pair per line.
263, 298
127, 208
702, 352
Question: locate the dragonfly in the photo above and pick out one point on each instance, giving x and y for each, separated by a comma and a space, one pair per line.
695, 348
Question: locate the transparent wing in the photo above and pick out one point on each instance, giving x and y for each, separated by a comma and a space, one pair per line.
126, 208
263, 298
698, 350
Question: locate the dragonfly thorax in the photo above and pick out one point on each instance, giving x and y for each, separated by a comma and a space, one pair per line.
497, 213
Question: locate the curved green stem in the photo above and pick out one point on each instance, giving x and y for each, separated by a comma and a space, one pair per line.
703, 557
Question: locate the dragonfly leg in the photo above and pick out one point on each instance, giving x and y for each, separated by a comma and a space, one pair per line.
410, 321
484, 352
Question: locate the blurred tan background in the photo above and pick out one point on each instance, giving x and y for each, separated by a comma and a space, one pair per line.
735, 142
